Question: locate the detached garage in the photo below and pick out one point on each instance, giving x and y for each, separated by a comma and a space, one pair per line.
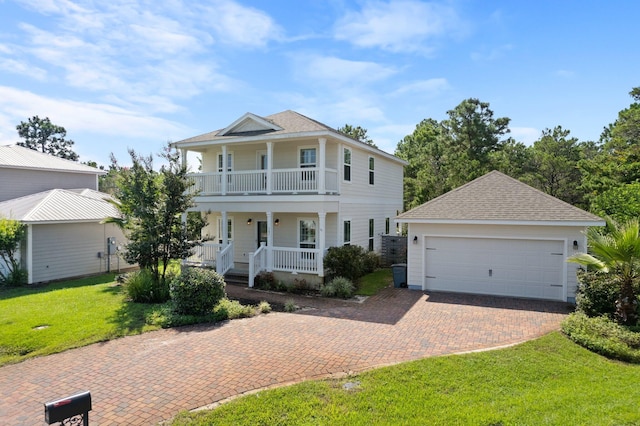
496, 236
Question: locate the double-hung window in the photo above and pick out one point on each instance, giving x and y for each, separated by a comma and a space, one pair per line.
346, 160
308, 161
371, 233
371, 170
307, 236
346, 233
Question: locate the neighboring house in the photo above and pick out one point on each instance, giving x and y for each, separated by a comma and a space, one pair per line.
294, 185
24, 171
65, 236
498, 236
58, 201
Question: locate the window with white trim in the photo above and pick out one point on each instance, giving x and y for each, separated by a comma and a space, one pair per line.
346, 239
229, 229
387, 226
371, 170
308, 161
346, 161
371, 233
229, 162
307, 233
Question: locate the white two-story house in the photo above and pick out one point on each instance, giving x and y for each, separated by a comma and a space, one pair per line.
279, 190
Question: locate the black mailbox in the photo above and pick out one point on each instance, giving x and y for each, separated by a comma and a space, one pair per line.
57, 411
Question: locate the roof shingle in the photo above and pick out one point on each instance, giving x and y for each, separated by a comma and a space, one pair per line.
497, 197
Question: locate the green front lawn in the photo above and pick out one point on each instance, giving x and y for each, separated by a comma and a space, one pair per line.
372, 283
64, 315
547, 381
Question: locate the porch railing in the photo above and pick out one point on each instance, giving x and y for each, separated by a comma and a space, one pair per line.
295, 260
257, 263
204, 254
224, 259
292, 181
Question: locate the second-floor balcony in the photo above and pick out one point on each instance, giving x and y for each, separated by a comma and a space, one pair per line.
276, 181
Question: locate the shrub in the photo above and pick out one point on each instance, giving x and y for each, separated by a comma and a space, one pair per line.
290, 305
372, 262
265, 281
232, 309
596, 294
604, 336
338, 287
141, 287
345, 261
264, 307
197, 290
15, 278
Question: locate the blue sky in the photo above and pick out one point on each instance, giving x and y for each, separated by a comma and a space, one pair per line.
124, 74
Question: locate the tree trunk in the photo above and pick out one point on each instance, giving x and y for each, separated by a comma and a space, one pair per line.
626, 305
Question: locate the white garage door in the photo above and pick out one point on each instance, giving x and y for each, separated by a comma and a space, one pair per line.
519, 268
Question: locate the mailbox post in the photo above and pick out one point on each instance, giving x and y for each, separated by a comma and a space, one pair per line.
74, 407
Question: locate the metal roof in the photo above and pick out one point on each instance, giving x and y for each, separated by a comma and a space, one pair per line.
60, 205
18, 157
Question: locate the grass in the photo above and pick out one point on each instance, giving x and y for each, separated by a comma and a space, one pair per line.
45, 320
63, 315
372, 283
547, 381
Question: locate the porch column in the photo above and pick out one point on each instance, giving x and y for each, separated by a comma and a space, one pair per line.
29, 254
269, 241
224, 170
225, 229
269, 168
321, 242
183, 158
322, 159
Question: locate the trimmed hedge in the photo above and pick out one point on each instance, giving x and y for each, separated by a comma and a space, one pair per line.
196, 291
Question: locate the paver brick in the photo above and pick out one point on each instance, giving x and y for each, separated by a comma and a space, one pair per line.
140, 380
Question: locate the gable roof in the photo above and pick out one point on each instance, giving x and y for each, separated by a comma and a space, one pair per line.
19, 157
60, 205
497, 198
281, 126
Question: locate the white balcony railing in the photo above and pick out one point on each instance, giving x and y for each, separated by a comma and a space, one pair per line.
283, 181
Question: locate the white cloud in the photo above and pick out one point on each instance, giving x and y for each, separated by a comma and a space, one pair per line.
22, 68
84, 117
338, 72
399, 26
431, 87
241, 25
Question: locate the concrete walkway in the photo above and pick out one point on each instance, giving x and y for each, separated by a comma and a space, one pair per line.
141, 380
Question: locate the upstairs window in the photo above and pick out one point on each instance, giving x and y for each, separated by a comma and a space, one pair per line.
307, 158
346, 165
387, 225
371, 170
308, 161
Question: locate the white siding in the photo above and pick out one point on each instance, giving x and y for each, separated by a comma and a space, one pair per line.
71, 250
20, 182
415, 252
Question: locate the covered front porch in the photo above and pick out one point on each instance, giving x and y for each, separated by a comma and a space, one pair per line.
287, 243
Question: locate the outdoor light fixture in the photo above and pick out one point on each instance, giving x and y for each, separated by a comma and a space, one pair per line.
276, 222
415, 239
249, 221
575, 244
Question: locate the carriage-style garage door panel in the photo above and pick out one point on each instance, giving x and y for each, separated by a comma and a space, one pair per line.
506, 267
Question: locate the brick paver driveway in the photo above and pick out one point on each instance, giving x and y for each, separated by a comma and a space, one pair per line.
148, 378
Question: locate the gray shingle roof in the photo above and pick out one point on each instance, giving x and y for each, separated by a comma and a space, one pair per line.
496, 197
60, 205
18, 157
289, 121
